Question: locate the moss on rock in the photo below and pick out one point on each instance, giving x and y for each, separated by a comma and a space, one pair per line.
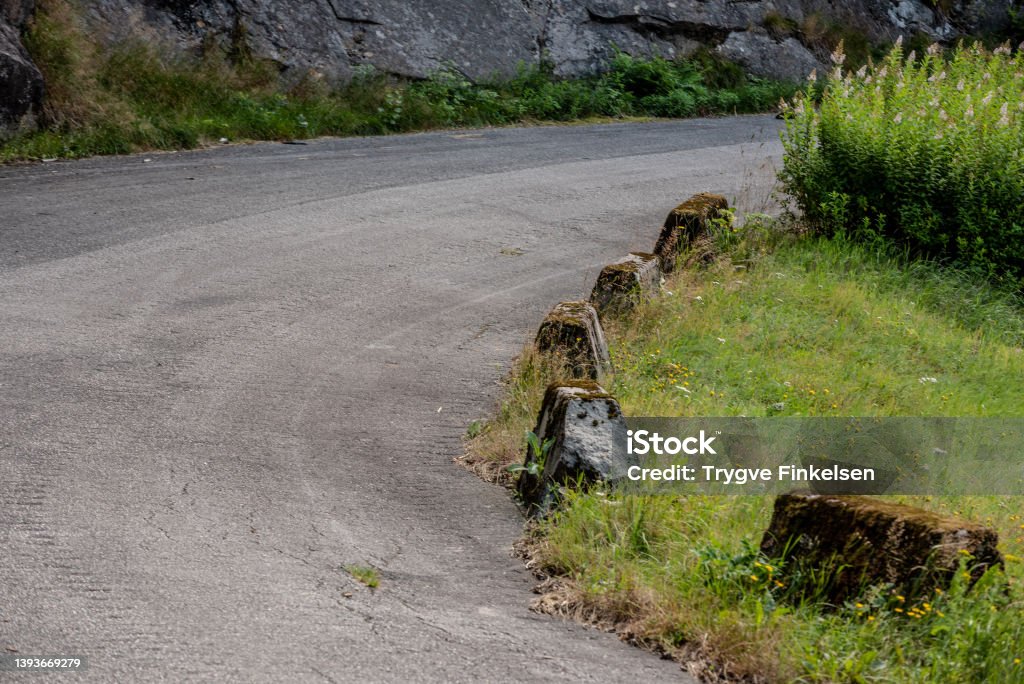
856, 541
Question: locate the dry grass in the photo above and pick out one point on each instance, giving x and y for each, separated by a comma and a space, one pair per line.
499, 442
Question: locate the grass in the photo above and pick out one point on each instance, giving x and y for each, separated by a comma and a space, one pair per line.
787, 325
102, 101
836, 329
364, 574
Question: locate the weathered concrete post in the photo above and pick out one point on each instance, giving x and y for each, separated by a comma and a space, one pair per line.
585, 425
686, 223
573, 332
623, 285
868, 541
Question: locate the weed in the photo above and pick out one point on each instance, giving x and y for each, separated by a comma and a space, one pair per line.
364, 574
475, 429
491, 451
537, 459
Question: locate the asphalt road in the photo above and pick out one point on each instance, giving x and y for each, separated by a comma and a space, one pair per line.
226, 374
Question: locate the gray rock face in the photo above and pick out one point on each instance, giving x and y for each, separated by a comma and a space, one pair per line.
584, 423
478, 38
884, 20
761, 55
21, 84
579, 37
16, 12
332, 39
481, 38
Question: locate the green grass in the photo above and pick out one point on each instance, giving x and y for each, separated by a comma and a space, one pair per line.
364, 574
821, 327
134, 98
789, 325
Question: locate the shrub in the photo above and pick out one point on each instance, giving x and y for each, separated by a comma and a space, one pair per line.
925, 153
657, 76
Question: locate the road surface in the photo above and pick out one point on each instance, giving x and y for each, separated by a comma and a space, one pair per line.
227, 374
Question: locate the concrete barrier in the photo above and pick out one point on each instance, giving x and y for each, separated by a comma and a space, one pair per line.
695, 214
864, 541
584, 424
623, 285
572, 331
685, 224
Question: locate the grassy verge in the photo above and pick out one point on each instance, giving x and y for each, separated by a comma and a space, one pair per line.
134, 98
788, 325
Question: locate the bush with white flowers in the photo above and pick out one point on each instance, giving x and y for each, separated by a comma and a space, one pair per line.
923, 152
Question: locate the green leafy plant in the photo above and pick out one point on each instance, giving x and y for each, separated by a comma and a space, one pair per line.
926, 152
475, 429
538, 456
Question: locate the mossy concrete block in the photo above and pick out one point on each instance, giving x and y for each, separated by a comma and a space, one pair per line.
864, 541
573, 332
686, 223
667, 247
627, 282
585, 424
694, 215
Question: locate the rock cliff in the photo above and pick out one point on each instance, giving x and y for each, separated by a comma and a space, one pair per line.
481, 38
21, 84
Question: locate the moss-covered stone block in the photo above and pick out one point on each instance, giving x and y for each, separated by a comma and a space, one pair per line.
684, 224
855, 541
694, 215
584, 424
623, 285
573, 332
